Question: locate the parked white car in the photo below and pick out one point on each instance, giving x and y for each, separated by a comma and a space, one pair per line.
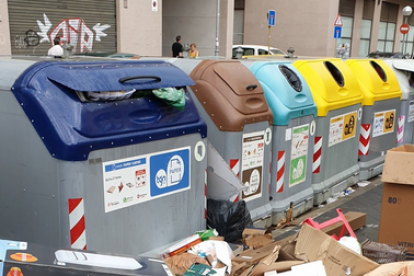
257, 50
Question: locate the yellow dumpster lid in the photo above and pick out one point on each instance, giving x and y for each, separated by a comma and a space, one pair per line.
377, 80
332, 83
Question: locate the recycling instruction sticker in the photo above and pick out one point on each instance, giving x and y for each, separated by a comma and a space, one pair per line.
252, 164
142, 178
383, 122
299, 154
342, 128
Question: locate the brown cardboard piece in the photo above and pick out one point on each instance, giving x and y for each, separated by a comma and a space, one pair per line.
394, 269
256, 237
355, 219
271, 258
398, 165
254, 256
397, 218
261, 268
313, 245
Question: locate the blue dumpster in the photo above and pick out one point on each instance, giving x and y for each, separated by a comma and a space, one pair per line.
294, 114
95, 155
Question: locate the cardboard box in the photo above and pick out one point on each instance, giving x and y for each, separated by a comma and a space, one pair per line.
398, 165
313, 245
397, 218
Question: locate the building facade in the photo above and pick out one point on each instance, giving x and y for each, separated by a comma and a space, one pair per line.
309, 26
149, 27
142, 27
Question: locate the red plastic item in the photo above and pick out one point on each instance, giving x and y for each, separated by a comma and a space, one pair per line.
340, 217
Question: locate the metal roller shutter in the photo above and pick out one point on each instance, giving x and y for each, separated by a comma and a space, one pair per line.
88, 25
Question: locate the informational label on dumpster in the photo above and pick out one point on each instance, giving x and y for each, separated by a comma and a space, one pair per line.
342, 128
142, 178
299, 154
252, 164
383, 122
411, 112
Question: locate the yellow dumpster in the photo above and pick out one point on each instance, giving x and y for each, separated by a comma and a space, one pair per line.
338, 98
381, 108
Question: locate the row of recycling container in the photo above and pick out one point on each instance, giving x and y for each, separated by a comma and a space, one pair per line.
106, 155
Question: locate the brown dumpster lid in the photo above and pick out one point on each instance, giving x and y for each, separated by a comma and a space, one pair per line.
230, 94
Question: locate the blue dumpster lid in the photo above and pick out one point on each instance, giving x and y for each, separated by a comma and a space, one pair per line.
286, 91
70, 127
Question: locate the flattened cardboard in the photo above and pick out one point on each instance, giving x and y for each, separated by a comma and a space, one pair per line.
338, 260
355, 219
260, 269
256, 237
254, 256
398, 165
248, 232
400, 268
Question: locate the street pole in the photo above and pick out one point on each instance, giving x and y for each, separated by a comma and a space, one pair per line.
269, 39
217, 49
404, 44
407, 10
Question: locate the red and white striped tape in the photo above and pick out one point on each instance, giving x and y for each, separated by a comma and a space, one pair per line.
364, 138
317, 155
270, 173
77, 223
205, 194
281, 159
400, 132
235, 168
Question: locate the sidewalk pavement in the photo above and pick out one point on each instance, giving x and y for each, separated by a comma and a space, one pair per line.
364, 199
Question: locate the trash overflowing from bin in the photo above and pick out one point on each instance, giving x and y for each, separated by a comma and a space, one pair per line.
312, 251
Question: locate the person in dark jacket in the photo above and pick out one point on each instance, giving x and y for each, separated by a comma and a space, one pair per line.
177, 47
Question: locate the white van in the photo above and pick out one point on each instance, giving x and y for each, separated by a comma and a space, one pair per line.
257, 50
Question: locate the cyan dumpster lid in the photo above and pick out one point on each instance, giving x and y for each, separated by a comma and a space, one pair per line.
286, 91
70, 128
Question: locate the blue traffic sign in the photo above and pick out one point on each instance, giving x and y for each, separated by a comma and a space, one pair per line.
337, 32
272, 18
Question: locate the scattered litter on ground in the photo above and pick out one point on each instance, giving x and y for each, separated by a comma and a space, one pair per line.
331, 200
372, 225
363, 183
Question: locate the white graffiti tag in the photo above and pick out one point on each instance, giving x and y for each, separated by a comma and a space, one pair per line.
72, 30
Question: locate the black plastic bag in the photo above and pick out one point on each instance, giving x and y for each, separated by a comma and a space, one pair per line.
228, 218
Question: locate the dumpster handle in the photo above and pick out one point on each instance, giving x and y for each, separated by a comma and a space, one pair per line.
155, 79
251, 87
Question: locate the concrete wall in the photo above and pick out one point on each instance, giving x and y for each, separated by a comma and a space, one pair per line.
308, 26
5, 46
139, 27
194, 20
226, 27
